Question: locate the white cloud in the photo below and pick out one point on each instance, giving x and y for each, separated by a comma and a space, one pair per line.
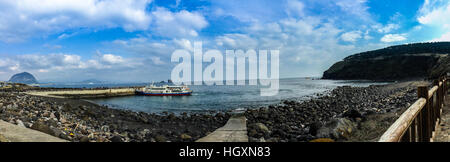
21, 19
357, 8
157, 61
295, 8
144, 47
388, 28
64, 35
236, 41
52, 46
67, 67
367, 35
71, 59
184, 43
434, 13
52, 62
178, 24
393, 38
352, 36
444, 38
307, 45
112, 59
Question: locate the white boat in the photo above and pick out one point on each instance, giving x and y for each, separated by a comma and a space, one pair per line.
164, 90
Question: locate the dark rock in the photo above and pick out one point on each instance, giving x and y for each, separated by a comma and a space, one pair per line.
313, 127
262, 128
337, 129
40, 126
252, 133
116, 139
85, 139
352, 114
160, 138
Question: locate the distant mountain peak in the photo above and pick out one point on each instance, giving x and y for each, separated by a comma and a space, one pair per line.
25, 78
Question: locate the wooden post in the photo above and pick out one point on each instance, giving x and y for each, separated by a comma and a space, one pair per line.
419, 127
413, 130
422, 92
436, 108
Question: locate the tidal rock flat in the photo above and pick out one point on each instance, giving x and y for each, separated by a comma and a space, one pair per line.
344, 114
82, 121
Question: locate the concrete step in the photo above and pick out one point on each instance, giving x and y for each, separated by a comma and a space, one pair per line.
234, 131
14, 133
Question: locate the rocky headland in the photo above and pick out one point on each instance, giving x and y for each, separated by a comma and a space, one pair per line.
402, 62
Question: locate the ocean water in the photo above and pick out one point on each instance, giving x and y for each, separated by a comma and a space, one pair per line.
206, 98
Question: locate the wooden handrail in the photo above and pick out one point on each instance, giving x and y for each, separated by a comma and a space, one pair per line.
418, 122
398, 129
432, 91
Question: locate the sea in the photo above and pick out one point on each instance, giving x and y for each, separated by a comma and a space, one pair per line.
218, 97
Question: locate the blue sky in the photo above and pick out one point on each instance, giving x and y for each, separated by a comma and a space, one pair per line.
116, 40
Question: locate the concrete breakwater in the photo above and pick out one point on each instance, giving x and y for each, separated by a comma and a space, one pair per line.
85, 93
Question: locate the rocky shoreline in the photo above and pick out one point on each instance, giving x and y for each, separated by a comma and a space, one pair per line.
82, 121
345, 114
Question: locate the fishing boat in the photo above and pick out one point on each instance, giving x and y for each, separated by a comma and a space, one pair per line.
165, 90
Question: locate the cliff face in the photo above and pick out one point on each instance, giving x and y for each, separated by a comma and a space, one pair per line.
25, 78
412, 61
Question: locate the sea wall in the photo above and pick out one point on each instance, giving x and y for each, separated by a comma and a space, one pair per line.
87, 93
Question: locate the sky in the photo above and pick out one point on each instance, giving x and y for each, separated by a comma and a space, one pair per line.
133, 40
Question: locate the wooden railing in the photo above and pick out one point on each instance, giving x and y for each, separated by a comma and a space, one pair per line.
419, 121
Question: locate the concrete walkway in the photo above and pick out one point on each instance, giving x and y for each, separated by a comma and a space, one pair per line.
443, 130
14, 133
234, 131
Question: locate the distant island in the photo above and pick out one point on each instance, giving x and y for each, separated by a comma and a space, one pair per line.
92, 81
401, 62
25, 78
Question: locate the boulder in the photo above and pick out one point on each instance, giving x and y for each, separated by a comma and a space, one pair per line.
185, 136
41, 126
260, 127
116, 139
85, 139
340, 128
20, 123
160, 138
